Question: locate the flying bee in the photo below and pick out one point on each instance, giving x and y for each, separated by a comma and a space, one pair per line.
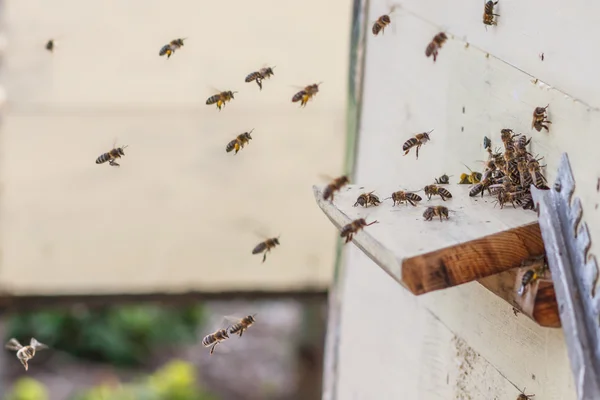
481, 187
442, 180
488, 13
472, 178
539, 181
169, 49
265, 247
382, 22
436, 44
367, 199
540, 118
431, 190
306, 94
25, 353
435, 211
239, 142
221, 98
213, 339
402, 196
349, 230
111, 156
260, 75
335, 186
242, 325
50, 45
418, 140
487, 143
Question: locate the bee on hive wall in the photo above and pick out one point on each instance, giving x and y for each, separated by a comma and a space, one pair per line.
260, 75
238, 143
435, 211
265, 247
349, 230
221, 98
488, 13
435, 44
25, 353
213, 339
431, 190
418, 140
306, 94
367, 199
540, 119
111, 156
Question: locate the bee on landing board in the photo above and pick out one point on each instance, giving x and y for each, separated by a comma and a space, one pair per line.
435, 211
111, 156
221, 98
265, 247
25, 353
169, 49
540, 119
260, 75
335, 186
431, 190
239, 142
402, 196
242, 325
367, 199
442, 180
418, 140
306, 94
213, 339
488, 13
349, 230
436, 44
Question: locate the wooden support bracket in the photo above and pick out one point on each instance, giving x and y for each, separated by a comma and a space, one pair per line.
478, 239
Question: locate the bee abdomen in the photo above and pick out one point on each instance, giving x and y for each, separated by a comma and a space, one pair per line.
298, 96
231, 145
259, 248
444, 192
208, 340
236, 329
252, 76
212, 99
409, 143
164, 50
413, 197
103, 158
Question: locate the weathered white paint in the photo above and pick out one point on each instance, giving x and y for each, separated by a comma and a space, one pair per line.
180, 213
384, 346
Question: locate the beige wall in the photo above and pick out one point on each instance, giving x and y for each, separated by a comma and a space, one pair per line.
180, 213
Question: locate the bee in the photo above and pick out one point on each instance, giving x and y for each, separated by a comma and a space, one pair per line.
335, 186
481, 187
506, 197
382, 22
213, 339
169, 49
528, 203
111, 156
442, 180
524, 396
542, 56
488, 13
431, 212
401, 196
525, 178
306, 94
25, 353
260, 75
431, 190
242, 325
367, 199
50, 45
239, 142
532, 275
521, 146
487, 143
506, 135
472, 178
265, 247
221, 98
539, 181
418, 140
349, 230
435, 45
540, 118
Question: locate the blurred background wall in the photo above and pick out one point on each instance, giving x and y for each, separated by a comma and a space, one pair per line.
180, 215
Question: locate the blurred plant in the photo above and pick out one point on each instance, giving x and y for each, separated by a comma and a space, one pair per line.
121, 336
175, 381
28, 389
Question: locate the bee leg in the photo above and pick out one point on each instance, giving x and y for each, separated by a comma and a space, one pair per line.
264, 256
418, 151
24, 362
212, 349
242, 332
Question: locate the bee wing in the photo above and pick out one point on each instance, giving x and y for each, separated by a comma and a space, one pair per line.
37, 345
298, 87
214, 90
326, 177
13, 344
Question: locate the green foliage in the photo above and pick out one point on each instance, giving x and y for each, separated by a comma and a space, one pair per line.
121, 336
28, 389
175, 381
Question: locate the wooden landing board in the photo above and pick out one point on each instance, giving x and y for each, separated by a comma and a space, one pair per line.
477, 240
